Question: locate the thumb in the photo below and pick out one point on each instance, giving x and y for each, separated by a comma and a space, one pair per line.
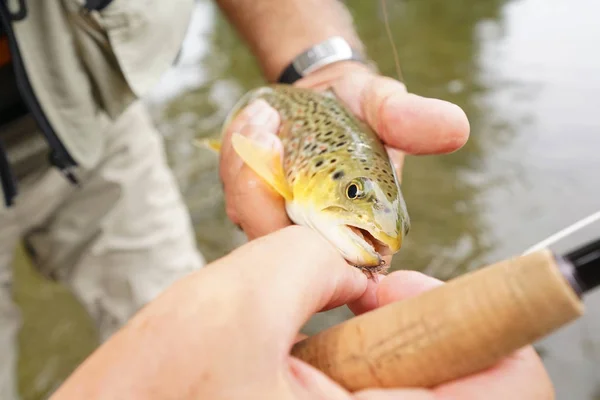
401, 394
286, 277
313, 384
310, 383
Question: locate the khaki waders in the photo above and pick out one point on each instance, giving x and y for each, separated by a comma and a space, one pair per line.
125, 234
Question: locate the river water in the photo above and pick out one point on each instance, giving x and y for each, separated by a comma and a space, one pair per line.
526, 74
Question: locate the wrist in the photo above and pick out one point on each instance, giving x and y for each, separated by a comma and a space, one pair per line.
278, 31
332, 50
276, 64
325, 60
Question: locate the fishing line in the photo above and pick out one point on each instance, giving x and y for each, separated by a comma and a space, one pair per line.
391, 39
582, 223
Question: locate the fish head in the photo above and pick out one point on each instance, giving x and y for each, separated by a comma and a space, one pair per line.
363, 217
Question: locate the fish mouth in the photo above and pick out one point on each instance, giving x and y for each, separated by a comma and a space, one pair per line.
362, 247
371, 242
373, 248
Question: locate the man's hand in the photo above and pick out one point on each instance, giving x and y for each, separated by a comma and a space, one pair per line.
406, 123
225, 332
509, 379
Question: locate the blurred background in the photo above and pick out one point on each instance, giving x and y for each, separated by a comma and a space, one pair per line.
526, 74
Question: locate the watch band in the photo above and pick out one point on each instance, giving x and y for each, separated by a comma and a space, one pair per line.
327, 52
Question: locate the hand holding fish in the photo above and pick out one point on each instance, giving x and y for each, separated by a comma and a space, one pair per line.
358, 205
225, 332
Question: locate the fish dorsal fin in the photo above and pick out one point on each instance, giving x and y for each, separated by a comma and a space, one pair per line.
265, 162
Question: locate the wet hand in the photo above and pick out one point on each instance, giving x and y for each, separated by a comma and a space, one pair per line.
226, 331
407, 124
521, 375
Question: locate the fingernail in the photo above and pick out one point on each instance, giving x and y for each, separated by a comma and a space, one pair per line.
254, 107
262, 137
259, 113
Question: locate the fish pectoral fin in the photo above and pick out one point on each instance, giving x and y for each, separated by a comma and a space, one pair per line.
265, 162
210, 144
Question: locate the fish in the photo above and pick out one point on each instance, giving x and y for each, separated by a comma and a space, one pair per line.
335, 174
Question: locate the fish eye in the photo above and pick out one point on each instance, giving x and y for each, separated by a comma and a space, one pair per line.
352, 191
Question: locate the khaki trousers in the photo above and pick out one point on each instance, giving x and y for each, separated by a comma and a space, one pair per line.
116, 242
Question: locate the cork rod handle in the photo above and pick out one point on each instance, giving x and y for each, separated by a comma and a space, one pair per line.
452, 331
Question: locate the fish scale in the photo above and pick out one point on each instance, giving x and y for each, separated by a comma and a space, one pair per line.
335, 174
324, 132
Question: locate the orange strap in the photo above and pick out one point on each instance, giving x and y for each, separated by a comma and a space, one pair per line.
4, 52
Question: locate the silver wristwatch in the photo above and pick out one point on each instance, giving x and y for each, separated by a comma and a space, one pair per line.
327, 52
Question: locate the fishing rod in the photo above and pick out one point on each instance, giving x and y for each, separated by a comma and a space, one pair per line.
462, 327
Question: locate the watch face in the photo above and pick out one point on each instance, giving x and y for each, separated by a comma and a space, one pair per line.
327, 52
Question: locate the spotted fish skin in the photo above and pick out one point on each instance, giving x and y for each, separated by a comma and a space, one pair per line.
340, 178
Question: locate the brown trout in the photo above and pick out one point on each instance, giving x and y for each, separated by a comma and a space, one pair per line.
336, 176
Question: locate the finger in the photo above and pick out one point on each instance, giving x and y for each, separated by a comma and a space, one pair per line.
402, 285
287, 276
414, 124
310, 383
248, 194
521, 375
395, 394
258, 116
398, 285
503, 381
331, 73
368, 300
299, 337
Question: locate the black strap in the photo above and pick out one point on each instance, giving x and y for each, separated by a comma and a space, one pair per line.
7, 178
290, 75
59, 156
20, 14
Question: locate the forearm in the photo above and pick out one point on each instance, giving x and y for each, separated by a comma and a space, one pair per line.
278, 30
